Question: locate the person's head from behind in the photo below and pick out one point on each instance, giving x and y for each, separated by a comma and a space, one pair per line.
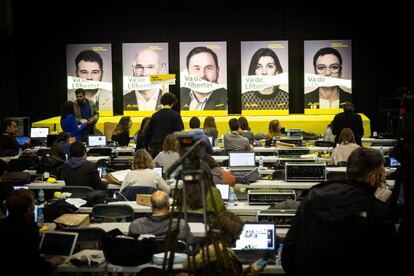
366, 165
62, 137
9, 126
168, 99
20, 204
346, 136
170, 143
160, 203
231, 227
244, 124
234, 124
146, 62
57, 151
78, 149
67, 108
348, 107
203, 63
328, 62
274, 128
143, 160
195, 122
265, 62
124, 125
209, 122
89, 65
80, 95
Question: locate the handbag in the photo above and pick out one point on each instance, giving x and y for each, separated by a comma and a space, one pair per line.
247, 178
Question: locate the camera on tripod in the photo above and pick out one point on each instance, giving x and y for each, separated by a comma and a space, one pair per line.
190, 147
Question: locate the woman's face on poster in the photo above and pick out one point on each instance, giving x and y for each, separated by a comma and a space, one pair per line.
266, 66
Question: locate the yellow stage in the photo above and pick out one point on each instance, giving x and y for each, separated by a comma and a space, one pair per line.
309, 123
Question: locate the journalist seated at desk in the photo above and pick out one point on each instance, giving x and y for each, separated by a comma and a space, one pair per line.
80, 172
157, 223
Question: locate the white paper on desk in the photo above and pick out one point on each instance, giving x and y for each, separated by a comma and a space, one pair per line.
120, 175
77, 202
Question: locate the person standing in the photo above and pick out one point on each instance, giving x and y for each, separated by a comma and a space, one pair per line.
348, 119
86, 113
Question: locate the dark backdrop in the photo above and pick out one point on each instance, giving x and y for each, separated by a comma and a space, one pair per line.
34, 59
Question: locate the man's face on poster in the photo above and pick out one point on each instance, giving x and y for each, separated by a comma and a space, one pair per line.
329, 66
146, 63
203, 66
89, 71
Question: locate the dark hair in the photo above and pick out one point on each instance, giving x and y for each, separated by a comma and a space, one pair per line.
19, 202
274, 129
123, 125
209, 122
168, 99
195, 122
77, 149
230, 225
234, 124
244, 124
348, 107
346, 136
90, 56
327, 51
79, 91
6, 123
169, 143
264, 52
144, 124
362, 162
198, 50
194, 193
57, 150
67, 109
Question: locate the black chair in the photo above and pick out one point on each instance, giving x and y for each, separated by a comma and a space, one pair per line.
19, 165
88, 238
130, 192
100, 152
77, 191
113, 212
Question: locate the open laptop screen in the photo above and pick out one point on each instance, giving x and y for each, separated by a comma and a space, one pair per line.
96, 141
55, 243
39, 132
224, 191
22, 139
259, 236
241, 159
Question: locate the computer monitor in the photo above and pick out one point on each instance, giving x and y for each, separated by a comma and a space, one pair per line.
22, 140
96, 140
257, 236
39, 132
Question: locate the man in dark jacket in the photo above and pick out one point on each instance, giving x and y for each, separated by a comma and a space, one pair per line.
342, 228
80, 172
348, 119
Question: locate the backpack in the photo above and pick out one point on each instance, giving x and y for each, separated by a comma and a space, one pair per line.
17, 178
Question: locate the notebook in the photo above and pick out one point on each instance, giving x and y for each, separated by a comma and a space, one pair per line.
39, 132
256, 241
96, 141
224, 191
242, 161
56, 243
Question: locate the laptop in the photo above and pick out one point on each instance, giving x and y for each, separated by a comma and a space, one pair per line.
242, 161
96, 141
256, 241
56, 243
39, 133
158, 170
224, 191
22, 139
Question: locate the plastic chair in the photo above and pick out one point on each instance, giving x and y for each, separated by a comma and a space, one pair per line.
131, 192
114, 212
77, 191
88, 238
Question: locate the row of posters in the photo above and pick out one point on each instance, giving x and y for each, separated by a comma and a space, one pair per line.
203, 75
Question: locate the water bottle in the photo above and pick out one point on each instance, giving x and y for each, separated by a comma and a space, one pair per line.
41, 196
261, 163
40, 217
279, 254
382, 150
232, 196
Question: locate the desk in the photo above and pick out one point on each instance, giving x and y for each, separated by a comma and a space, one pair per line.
95, 159
59, 184
376, 141
70, 268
